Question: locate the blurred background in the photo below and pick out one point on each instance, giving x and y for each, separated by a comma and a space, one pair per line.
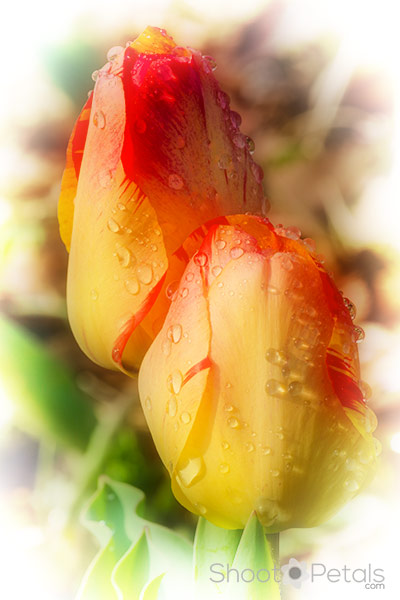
318, 87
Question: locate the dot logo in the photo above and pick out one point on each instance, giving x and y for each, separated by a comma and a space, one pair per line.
294, 573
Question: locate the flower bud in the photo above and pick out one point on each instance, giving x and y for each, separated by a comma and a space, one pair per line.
152, 156
252, 390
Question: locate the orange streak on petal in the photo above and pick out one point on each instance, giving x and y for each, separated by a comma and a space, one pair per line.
206, 363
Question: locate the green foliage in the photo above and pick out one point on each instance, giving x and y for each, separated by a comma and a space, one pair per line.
140, 560
46, 398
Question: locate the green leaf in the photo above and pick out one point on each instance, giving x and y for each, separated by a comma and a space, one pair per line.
137, 558
212, 545
254, 557
42, 390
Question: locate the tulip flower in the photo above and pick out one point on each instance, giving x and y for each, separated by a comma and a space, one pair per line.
155, 153
252, 387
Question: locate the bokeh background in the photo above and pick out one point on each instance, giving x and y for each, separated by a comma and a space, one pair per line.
318, 87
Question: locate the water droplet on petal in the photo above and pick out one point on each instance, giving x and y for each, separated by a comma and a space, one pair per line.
224, 468
175, 333
309, 244
95, 75
225, 445
200, 259
106, 178
275, 472
113, 226
189, 276
172, 406
239, 140
175, 381
185, 418
233, 422
171, 290
145, 273
257, 171
378, 447
351, 485
236, 119
275, 388
216, 271
132, 286
250, 145
350, 307
94, 294
295, 388
211, 63
266, 450
191, 472
236, 252
250, 447
276, 357
99, 119
113, 52
124, 256
222, 99
147, 403
359, 334
220, 244
175, 181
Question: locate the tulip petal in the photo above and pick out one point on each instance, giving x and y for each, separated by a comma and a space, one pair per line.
115, 223
69, 183
274, 322
179, 142
180, 358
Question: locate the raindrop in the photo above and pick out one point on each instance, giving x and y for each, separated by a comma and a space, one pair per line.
225, 445
210, 61
286, 262
350, 307
94, 294
266, 450
236, 119
175, 333
222, 99
174, 382
200, 259
257, 171
249, 447
145, 273
124, 256
171, 290
236, 252
147, 403
250, 145
359, 334
184, 292
275, 388
216, 271
192, 471
113, 226
132, 286
224, 161
224, 468
220, 244
233, 422
95, 75
351, 485
239, 140
175, 181
275, 472
295, 388
276, 357
309, 244
99, 119
185, 418
378, 447
189, 276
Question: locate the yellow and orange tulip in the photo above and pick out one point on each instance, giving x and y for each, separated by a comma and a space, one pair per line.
252, 388
155, 152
